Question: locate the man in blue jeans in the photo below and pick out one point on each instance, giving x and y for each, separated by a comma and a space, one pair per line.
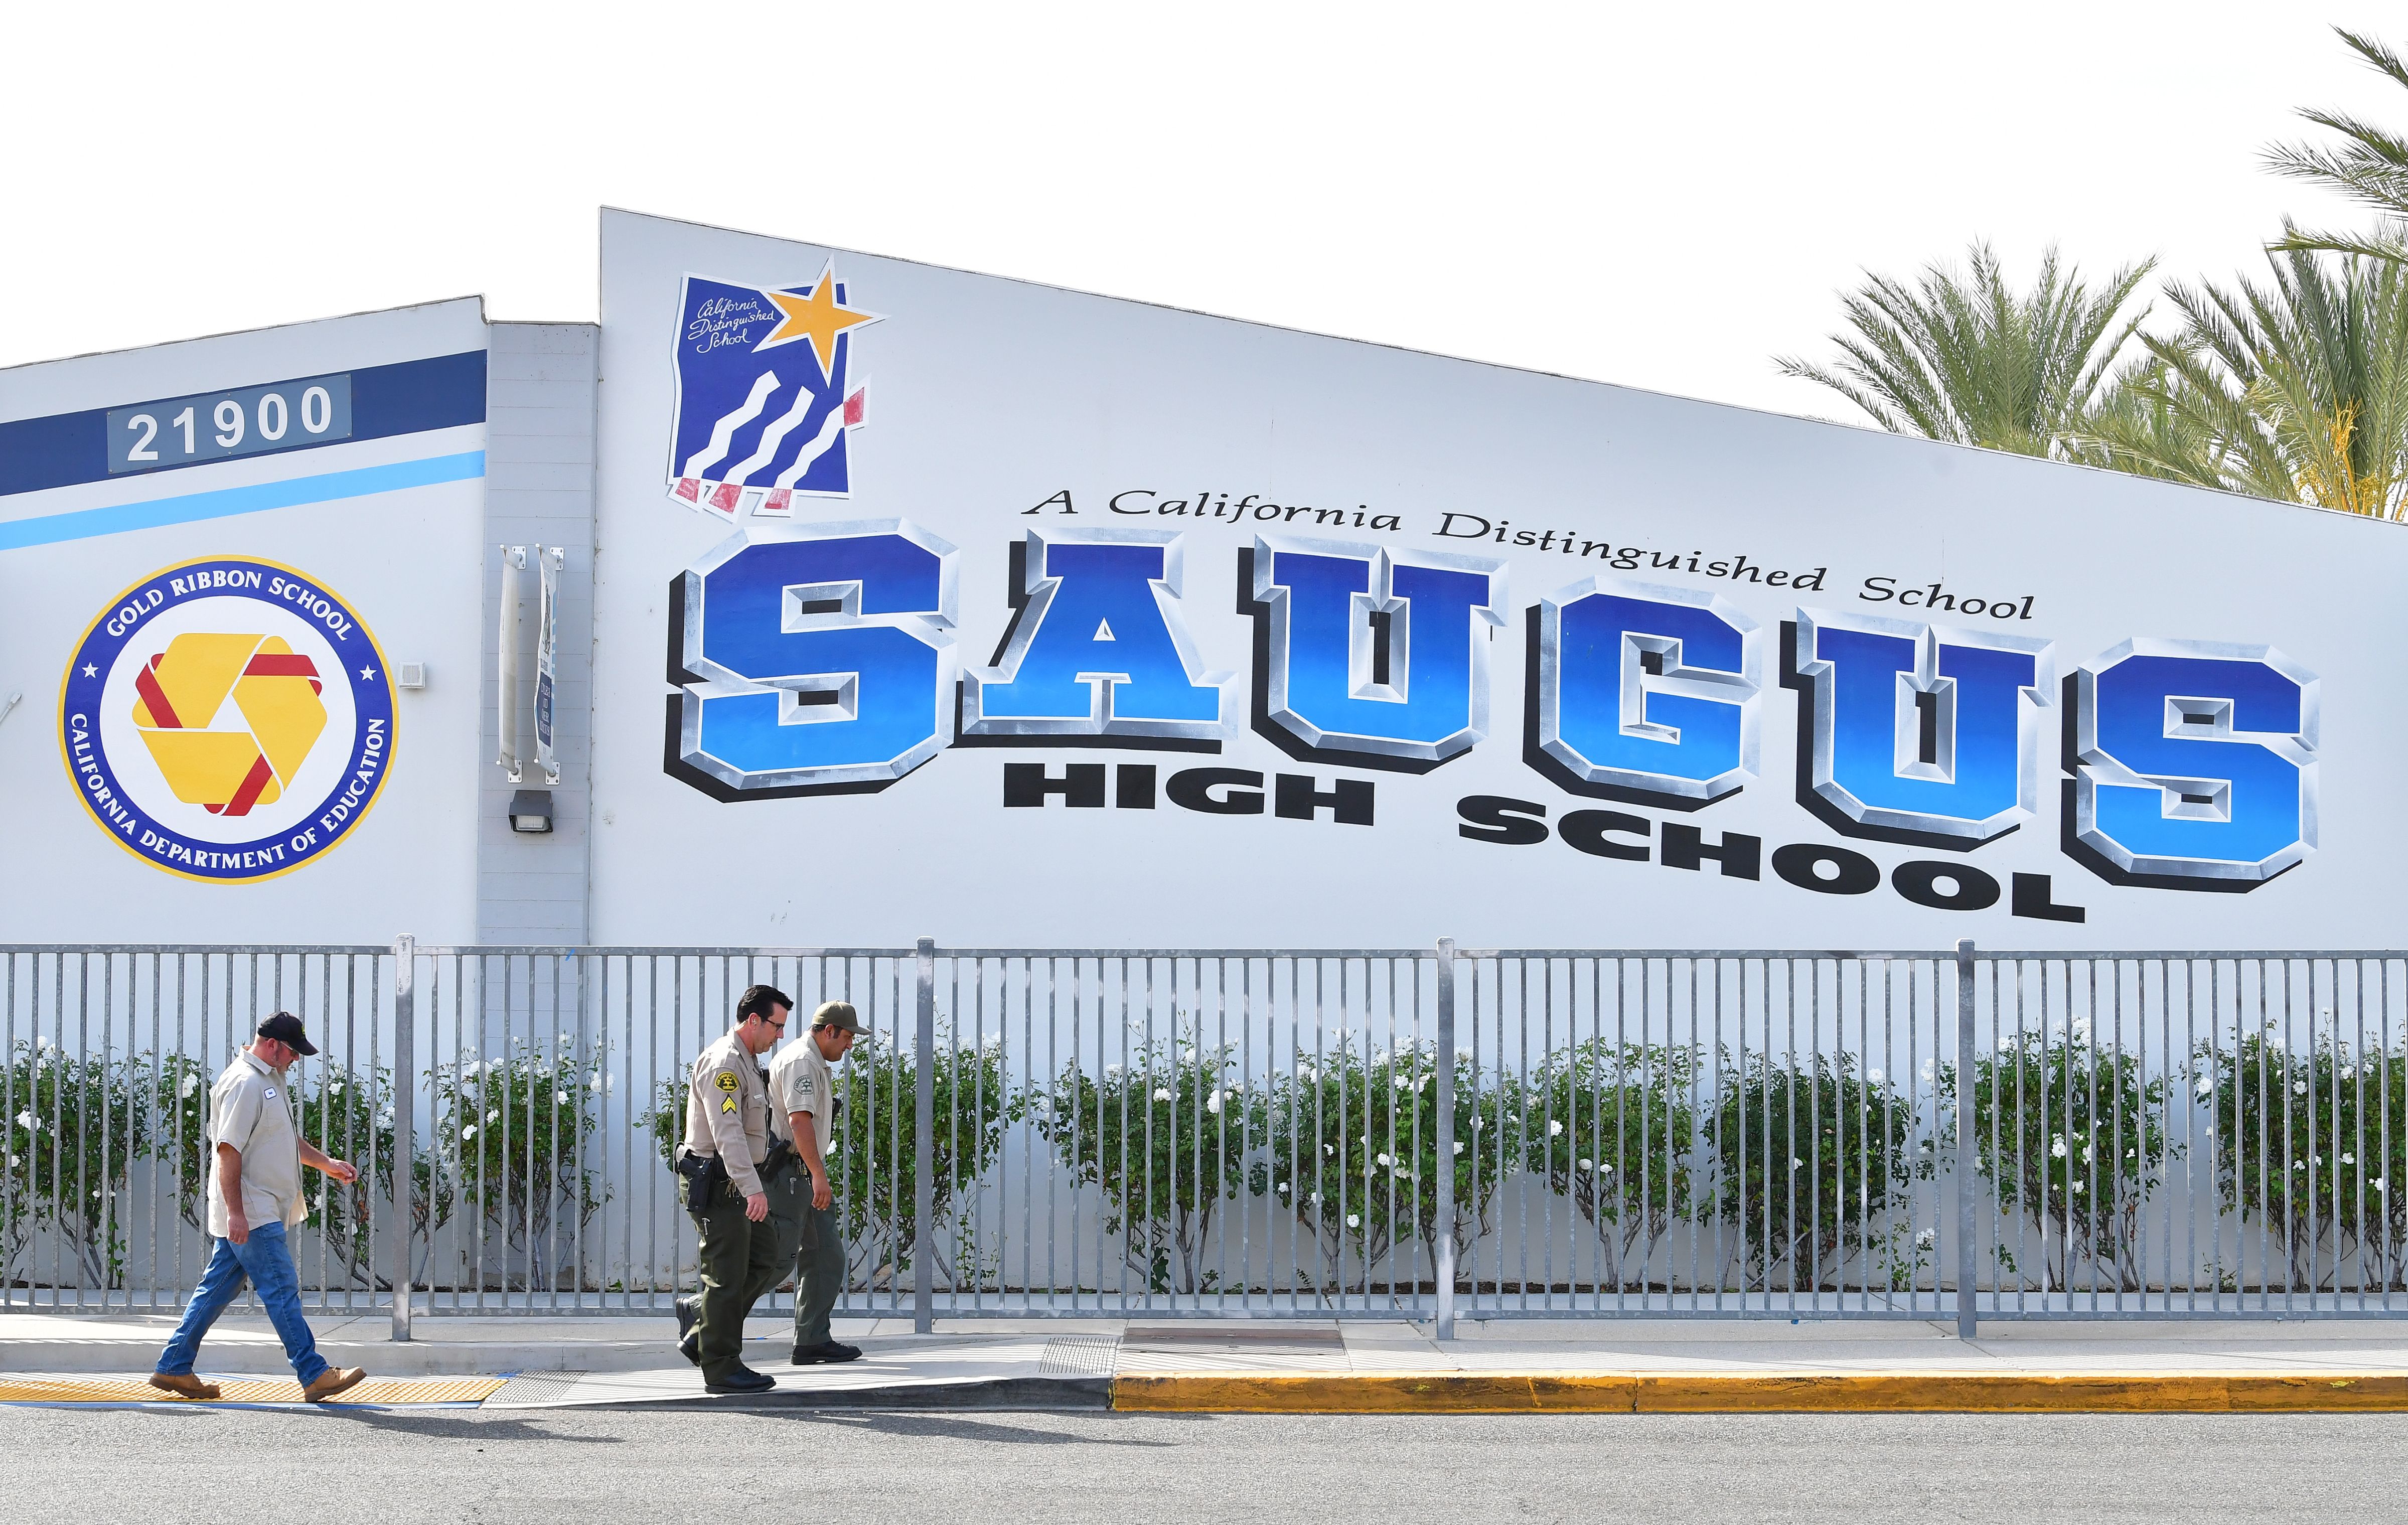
254, 1201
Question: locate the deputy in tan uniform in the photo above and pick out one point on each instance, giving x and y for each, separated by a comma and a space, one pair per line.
719, 1172
802, 1204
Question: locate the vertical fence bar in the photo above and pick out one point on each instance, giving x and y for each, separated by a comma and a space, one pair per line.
1445, 1128
405, 1121
923, 1150
1965, 1141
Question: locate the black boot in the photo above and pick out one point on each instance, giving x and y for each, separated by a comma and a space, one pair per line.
689, 1339
742, 1379
826, 1353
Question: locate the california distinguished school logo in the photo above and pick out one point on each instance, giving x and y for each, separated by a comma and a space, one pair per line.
228, 719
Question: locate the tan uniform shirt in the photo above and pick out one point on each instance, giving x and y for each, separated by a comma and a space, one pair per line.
800, 1080
250, 1110
727, 1111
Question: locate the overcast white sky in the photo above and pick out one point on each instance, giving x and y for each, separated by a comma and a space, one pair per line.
1663, 197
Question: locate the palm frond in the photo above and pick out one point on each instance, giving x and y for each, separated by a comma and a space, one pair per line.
1964, 356
2369, 165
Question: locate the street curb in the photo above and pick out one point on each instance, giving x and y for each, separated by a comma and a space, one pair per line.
1886, 1392
1016, 1392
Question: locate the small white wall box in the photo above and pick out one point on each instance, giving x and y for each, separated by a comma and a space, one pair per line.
413, 675
531, 811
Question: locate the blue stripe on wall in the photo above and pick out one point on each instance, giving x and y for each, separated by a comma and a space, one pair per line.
408, 398
117, 518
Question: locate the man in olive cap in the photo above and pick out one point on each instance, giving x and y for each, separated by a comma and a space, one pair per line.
254, 1201
802, 1088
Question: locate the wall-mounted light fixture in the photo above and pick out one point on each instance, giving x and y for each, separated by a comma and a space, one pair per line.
413, 675
531, 811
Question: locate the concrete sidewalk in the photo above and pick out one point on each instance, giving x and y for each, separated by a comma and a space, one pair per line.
1297, 1366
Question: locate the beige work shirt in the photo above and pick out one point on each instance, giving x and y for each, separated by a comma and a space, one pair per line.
251, 1110
727, 1111
801, 1080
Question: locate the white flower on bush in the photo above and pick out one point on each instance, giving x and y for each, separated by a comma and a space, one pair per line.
2298, 1088
1213, 1103
2077, 1189
2349, 1160
1795, 1163
1383, 1160
2206, 1085
191, 1084
1925, 1239
1589, 1165
493, 1116
1283, 1187
28, 1121
1874, 1075
1458, 1146
1161, 1094
1329, 1149
469, 1132
1354, 1220
1554, 1127
2056, 1147
560, 1098
2377, 1183
2082, 1030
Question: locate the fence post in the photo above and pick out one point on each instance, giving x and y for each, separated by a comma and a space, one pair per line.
1965, 1161
1446, 1246
923, 1150
405, 1121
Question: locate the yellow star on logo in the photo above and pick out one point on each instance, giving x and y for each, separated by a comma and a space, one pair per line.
815, 317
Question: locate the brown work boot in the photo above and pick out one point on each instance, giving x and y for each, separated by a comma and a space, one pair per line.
333, 1379
183, 1384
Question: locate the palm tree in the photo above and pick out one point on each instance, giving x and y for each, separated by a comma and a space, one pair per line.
1967, 359
2370, 166
2295, 390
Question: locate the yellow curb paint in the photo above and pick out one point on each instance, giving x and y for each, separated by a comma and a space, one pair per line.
1436, 1393
1891, 1392
117, 1390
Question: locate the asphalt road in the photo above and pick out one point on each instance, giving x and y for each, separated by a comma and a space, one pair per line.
588, 1465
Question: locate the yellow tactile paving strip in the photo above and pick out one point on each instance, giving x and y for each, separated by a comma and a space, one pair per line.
119, 1389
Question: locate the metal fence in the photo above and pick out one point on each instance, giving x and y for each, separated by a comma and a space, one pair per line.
1390, 1133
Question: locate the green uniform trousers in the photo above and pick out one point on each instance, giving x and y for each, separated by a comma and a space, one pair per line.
740, 1260
818, 1268
790, 1208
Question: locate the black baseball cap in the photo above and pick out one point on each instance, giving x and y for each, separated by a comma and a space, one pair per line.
286, 1028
